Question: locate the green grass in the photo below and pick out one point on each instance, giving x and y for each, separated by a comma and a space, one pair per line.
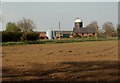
55, 41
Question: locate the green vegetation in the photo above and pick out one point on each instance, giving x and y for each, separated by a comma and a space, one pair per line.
12, 27
21, 33
19, 36
29, 36
11, 36
56, 41
118, 30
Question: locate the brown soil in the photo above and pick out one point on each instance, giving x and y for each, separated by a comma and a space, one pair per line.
83, 61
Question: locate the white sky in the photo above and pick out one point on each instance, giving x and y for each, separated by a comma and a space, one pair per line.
47, 15
60, 0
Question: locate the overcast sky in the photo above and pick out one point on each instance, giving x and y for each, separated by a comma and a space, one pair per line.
46, 15
60, 0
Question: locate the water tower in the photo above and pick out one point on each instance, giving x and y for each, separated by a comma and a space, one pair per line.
78, 23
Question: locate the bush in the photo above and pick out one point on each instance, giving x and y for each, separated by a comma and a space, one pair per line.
11, 36
0, 36
31, 36
101, 35
118, 30
19, 36
77, 36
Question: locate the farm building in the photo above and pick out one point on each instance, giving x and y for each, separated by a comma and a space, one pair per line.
42, 35
78, 29
83, 31
63, 34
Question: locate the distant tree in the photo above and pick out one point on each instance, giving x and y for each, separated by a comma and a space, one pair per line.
12, 27
118, 31
26, 25
109, 29
93, 24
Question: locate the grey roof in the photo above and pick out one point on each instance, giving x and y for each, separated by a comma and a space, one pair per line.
84, 30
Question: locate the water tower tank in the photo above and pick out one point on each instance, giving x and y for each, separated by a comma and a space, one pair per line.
78, 23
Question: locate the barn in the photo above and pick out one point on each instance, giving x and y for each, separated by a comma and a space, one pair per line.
78, 29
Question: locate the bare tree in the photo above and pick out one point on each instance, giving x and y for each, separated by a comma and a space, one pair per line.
109, 28
93, 24
26, 25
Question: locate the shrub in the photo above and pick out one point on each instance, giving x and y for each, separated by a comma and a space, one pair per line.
0, 36
19, 36
31, 36
11, 36
101, 35
77, 36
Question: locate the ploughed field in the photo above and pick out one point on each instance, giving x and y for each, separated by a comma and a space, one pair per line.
83, 61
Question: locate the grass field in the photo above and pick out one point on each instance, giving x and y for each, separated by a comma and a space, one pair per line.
81, 61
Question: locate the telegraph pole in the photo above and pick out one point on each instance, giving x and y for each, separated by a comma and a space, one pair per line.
59, 31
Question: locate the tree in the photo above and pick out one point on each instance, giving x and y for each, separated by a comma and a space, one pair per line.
26, 25
93, 24
118, 31
109, 28
12, 27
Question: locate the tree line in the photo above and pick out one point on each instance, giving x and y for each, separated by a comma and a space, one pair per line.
20, 31
108, 29
24, 25
24, 30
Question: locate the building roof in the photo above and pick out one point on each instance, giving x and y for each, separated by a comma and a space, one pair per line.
42, 34
84, 30
78, 20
